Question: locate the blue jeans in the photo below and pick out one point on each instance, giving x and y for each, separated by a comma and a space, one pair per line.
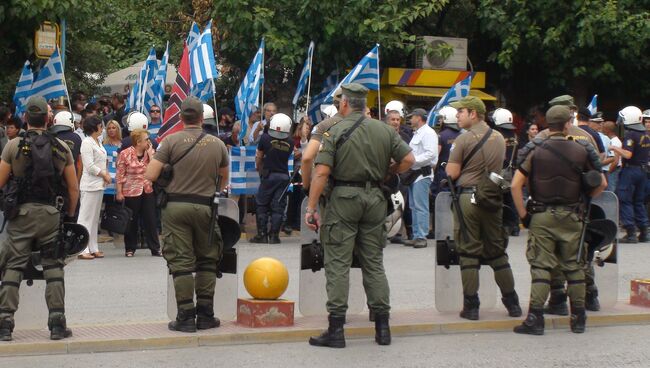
631, 194
612, 180
419, 201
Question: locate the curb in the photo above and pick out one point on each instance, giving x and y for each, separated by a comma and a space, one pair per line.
295, 334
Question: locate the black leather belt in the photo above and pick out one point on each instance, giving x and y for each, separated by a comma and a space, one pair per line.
358, 184
466, 190
190, 198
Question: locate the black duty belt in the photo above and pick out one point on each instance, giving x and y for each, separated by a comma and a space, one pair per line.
190, 198
39, 201
357, 184
538, 207
466, 189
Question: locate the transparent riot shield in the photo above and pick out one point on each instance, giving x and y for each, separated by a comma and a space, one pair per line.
606, 273
226, 289
312, 293
449, 287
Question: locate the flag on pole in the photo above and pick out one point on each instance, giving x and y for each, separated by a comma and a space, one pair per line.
244, 179
314, 111
194, 35
172, 120
23, 88
304, 75
593, 105
247, 98
151, 68
156, 86
134, 94
203, 66
365, 73
459, 90
49, 82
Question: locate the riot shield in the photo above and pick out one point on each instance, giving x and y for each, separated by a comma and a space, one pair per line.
226, 289
449, 287
606, 272
312, 293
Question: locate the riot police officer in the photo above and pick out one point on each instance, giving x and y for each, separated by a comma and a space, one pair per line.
196, 159
63, 129
40, 167
631, 184
209, 121
356, 154
553, 167
272, 163
503, 123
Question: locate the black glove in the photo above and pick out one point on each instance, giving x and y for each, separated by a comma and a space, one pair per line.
526, 220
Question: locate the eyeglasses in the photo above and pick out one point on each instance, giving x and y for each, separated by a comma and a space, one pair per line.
154, 111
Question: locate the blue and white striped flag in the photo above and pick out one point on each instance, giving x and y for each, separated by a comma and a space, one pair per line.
365, 73
139, 90
49, 82
593, 105
204, 90
244, 179
156, 86
456, 92
23, 89
193, 36
330, 83
247, 98
305, 74
203, 67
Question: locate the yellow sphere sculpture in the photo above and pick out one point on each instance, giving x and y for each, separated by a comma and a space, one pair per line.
266, 278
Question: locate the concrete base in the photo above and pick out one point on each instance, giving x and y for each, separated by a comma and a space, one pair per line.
265, 313
640, 292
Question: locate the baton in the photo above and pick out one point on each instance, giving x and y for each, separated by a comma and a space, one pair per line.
583, 232
456, 203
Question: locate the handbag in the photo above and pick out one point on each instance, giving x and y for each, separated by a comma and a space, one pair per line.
116, 218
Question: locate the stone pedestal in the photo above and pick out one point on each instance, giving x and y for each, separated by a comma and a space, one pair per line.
265, 313
640, 292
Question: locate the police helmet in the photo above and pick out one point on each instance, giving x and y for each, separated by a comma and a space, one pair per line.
280, 127
503, 119
631, 118
329, 110
395, 105
208, 115
646, 114
63, 121
447, 115
136, 120
75, 239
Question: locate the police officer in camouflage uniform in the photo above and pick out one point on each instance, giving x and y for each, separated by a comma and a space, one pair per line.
552, 215
356, 210
186, 217
485, 238
36, 225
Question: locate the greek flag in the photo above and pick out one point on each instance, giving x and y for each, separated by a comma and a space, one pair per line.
456, 92
194, 35
330, 83
365, 73
49, 83
155, 90
204, 90
244, 179
304, 75
23, 89
593, 105
202, 64
147, 73
247, 98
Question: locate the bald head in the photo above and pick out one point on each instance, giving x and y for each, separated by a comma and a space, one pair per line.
609, 128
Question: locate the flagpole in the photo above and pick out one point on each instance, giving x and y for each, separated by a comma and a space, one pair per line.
309, 84
378, 86
66, 86
262, 87
214, 101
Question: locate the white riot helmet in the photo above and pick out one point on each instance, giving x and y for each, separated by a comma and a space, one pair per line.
394, 221
632, 118
503, 119
395, 106
63, 121
136, 120
447, 115
280, 127
329, 110
646, 114
208, 115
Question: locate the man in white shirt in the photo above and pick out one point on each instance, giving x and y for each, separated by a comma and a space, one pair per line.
256, 132
609, 129
425, 148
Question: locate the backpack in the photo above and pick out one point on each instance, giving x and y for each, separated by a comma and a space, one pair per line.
43, 181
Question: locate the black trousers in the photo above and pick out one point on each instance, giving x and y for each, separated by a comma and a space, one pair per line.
270, 203
144, 208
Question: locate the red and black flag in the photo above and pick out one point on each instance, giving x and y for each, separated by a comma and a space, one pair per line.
172, 120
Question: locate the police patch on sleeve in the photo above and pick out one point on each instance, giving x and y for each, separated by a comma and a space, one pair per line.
452, 147
630, 142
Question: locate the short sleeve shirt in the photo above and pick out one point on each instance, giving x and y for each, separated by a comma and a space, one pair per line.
276, 153
490, 157
366, 155
639, 144
447, 138
197, 172
20, 162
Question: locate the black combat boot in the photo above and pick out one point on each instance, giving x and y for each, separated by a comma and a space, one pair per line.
644, 235
274, 238
6, 329
630, 237
334, 336
511, 301
470, 307
557, 304
184, 321
371, 314
382, 329
533, 324
578, 320
58, 327
205, 318
260, 238
591, 301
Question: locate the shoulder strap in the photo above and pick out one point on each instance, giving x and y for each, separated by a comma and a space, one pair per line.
562, 157
189, 149
477, 147
348, 133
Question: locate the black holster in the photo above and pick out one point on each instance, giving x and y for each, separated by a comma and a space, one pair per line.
535, 207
